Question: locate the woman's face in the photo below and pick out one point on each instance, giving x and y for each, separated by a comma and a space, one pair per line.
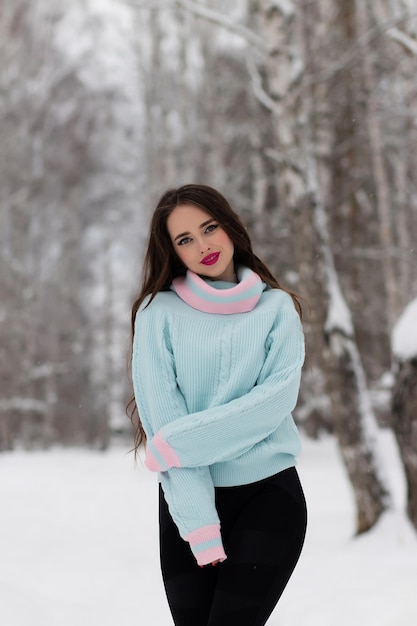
201, 243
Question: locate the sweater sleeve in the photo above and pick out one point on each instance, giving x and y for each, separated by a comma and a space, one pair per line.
210, 436
189, 492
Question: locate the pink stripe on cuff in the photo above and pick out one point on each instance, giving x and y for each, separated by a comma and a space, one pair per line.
151, 463
210, 555
166, 451
205, 533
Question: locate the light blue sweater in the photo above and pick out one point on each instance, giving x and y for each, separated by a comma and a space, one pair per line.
215, 394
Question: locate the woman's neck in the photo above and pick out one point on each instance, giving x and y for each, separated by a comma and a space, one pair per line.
230, 277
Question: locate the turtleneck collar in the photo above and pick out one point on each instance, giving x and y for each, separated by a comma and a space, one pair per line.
212, 296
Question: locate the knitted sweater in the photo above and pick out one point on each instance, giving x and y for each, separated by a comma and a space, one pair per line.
215, 393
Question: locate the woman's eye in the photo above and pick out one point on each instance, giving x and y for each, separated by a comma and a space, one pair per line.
211, 227
184, 241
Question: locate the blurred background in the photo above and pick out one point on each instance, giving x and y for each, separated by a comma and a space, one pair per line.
302, 113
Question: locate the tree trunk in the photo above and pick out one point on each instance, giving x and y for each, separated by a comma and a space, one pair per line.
376, 144
404, 423
289, 36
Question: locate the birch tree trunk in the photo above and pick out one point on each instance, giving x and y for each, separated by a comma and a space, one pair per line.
376, 144
188, 154
285, 26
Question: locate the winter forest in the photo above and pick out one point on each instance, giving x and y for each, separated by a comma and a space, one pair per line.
303, 113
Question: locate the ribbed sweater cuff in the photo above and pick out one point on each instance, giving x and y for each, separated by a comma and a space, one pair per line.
206, 544
160, 456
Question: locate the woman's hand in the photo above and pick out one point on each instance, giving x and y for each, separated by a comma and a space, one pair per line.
213, 563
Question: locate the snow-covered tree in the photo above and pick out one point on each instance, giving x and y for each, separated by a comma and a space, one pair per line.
70, 174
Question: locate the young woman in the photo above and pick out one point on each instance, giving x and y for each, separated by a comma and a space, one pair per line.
217, 355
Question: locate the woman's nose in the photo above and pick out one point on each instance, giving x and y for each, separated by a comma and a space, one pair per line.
204, 246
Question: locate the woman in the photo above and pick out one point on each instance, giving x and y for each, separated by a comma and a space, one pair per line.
217, 355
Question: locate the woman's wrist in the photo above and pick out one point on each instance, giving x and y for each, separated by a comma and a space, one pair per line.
206, 544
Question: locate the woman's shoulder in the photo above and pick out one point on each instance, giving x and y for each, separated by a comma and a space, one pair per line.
279, 304
278, 299
163, 306
162, 301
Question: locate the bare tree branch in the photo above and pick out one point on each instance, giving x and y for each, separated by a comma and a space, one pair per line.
404, 40
149, 6
207, 14
360, 45
222, 20
260, 93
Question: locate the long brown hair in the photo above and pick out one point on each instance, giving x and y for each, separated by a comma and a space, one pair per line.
162, 265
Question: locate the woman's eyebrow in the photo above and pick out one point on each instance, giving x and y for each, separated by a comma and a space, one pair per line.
201, 226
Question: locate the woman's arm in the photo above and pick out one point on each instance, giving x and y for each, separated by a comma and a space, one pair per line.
226, 431
189, 492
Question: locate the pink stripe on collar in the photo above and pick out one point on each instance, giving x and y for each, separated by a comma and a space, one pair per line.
222, 308
206, 297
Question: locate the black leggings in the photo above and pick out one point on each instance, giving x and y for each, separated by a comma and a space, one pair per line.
263, 527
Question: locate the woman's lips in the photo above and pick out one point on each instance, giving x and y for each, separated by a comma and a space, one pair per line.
210, 259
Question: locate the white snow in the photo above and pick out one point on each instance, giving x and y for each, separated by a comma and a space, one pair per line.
79, 546
404, 334
338, 313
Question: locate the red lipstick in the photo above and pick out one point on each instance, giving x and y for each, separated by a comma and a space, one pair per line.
210, 259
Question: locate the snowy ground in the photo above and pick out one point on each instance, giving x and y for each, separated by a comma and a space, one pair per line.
78, 547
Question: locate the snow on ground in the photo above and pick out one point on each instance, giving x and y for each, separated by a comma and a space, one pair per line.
404, 334
78, 546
